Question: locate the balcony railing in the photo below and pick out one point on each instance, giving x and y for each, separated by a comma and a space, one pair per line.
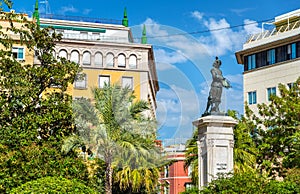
274, 31
91, 37
81, 19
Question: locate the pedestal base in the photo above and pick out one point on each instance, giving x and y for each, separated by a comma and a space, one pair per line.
215, 146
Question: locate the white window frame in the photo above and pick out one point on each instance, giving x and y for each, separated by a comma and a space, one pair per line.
252, 97
62, 50
15, 49
132, 62
271, 91
108, 62
102, 79
127, 81
86, 58
166, 171
121, 60
80, 84
95, 62
78, 57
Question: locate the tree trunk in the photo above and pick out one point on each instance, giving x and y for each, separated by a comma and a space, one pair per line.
108, 178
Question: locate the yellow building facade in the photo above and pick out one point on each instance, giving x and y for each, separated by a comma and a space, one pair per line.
19, 51
107, 54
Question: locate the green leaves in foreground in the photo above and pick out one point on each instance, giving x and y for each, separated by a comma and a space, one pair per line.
53, 185
249, 183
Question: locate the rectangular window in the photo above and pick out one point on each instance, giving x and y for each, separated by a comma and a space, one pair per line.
291, 85
127, 82
270, 56
293, 51
18, 53
270, 92
281, 53
251, 62
166, 171
104, 79
297, 49
80, 81
252, 97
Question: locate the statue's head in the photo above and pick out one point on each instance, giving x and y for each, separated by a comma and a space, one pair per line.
217, 63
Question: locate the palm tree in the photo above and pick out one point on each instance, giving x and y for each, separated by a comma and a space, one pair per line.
191, 157
115, 128
139, 172
244, 152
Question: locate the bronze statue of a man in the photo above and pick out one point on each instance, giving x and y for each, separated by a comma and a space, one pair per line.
215, 93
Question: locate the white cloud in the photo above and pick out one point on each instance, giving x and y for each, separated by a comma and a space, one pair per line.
251, 27
237, 79
223, 39
240, 12
165, 59
198, 15
153, 28
65, 9
174, 39
163, 66
177, 107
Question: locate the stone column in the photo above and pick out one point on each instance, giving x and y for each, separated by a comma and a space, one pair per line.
215, 146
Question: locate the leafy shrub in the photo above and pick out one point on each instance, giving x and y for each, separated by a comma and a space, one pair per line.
53, 185
250, 183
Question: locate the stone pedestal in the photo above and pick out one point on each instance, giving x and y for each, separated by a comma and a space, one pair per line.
215, 146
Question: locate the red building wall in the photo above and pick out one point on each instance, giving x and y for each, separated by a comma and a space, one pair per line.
177, 177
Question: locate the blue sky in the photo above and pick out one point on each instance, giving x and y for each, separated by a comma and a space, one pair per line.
185, 42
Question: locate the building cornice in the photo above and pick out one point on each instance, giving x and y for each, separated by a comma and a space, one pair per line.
240, 54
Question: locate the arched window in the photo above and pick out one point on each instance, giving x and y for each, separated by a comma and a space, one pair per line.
132, 62
121, 60
63, 53
109, 60
98, 59
74, 56
86, 58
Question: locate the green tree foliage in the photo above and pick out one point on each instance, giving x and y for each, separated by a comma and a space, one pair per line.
4, 3
249, 183
191, 157
34, 118
116, 130
278, 131
244, 151
30, 110
53, 185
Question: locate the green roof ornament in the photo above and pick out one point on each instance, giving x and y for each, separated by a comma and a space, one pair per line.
144, 36
125, 19
36, 15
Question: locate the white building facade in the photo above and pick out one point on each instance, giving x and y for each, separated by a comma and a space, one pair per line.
269, 58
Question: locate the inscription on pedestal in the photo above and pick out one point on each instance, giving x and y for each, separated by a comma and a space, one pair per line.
221, 166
